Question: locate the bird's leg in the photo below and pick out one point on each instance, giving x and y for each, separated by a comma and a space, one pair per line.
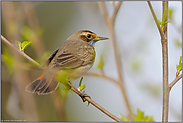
83, 95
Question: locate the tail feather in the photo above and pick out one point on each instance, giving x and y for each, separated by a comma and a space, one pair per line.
48, 87
42, 85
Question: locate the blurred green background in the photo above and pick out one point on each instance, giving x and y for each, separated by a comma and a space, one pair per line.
48, 24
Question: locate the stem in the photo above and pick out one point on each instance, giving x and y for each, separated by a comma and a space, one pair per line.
22, 53
102, 76
164, 43
72, 87
110, 24
95, 104
174, 82
165, 69
156, 20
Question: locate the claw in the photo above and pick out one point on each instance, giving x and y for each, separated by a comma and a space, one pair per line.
83, 95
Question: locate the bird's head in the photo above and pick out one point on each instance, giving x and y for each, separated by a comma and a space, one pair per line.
88, 36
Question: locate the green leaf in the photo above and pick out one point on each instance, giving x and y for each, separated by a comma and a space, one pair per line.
139, 117
123, 118
25, 44
101, 63
81, 87
165, 15
159, 22
179, 66
166, 22
18, 44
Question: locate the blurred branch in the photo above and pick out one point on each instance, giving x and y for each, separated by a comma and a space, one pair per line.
38, 45
72, 87
20, 105
101, 76
110, 24
33, 23
174, 81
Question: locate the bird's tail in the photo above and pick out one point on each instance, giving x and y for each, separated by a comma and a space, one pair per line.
43, 85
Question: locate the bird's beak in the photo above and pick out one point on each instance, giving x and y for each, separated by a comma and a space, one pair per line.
100, 38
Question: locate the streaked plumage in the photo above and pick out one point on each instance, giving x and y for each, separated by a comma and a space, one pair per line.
75, 57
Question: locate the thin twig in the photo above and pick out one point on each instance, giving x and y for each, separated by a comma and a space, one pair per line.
110, 24
102, 76
94, 103
104, 11
156, 20
72, 87
174, 81
116, 9
22, 53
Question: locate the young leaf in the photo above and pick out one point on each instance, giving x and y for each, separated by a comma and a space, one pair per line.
81, 87
18, 44
179, 66
123, 118
25, 44
139, 117
165, 15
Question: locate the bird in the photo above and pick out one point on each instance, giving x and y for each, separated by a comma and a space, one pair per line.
67, 63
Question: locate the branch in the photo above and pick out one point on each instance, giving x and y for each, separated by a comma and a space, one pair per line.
104, 11
110, 24
165, 68
174, 82
20, 52
165, 60
116, 9
95, 104
156, 20
102, 76
72, 87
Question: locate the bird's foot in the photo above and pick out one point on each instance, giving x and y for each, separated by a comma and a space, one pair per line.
83, 95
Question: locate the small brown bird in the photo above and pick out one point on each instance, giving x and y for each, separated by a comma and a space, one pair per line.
69, 62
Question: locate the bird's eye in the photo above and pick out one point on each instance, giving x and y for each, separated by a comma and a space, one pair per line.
88, 36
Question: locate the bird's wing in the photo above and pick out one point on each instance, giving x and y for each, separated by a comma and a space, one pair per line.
50, 58
72, 55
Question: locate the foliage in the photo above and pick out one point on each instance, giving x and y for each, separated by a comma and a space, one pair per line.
8, 60
81, 86
139, 117
179, 66
165, 17
23, 45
